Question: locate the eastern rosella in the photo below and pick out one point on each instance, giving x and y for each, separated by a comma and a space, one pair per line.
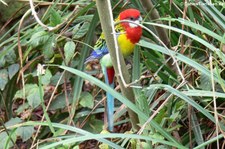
128, 34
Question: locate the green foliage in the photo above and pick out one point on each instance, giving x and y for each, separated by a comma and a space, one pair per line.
31, 93
69, 50
6, 140
25, 132
8, 137
39, 38
13, 69
86, 100
3, 78
55, 17
80, 29
169, 103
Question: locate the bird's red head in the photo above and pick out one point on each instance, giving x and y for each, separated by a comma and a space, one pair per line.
131, 15
133, 31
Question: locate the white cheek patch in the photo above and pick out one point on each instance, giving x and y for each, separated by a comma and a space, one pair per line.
132, 25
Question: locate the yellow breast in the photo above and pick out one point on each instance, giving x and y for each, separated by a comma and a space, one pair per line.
125, 45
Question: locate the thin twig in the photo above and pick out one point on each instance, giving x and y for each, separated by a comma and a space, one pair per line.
89, 114
182, 27
50, 100
214, 98
3, 2
20, 51
49, 28
27, 66
36, 16
44, 3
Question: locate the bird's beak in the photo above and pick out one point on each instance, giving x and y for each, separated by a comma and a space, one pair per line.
140, 19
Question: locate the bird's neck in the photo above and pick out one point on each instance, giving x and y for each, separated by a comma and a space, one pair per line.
134, 34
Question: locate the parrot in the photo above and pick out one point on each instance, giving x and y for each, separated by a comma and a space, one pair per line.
128, 34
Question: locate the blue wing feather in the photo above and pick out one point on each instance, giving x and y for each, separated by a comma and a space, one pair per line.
100, 48
97, 54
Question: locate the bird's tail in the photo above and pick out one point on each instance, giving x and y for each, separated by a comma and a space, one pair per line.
109, 79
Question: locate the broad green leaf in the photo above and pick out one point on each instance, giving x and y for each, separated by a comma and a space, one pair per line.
69, 49
60, 102
3, 78
39, 38
2, 60
48, 46
11, 57
55, 78
80, 30
159, 117
33, 97
94, 125
55, 17
7, 54
205, 82
13, 121
5, 141
25, 132
13, 69
46, 78
86, 100
27, 88
31, 93
85, 18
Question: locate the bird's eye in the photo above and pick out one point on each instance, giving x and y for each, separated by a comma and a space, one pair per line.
132, 18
